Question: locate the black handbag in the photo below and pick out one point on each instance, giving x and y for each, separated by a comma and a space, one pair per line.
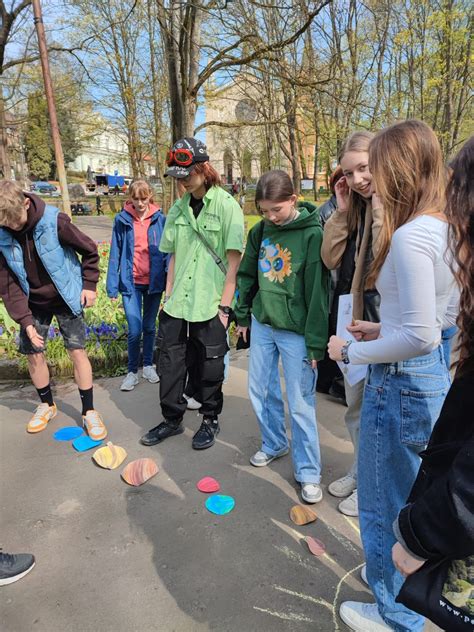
443, 591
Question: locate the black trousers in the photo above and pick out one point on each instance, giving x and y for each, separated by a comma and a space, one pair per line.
181, 345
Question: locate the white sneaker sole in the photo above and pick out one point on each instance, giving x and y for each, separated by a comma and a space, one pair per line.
312, 501
272, 458
151, 380
12, 580
127, 388
337, 494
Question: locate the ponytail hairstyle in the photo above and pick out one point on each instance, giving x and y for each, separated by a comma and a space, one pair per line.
408, 174
358, 142
460, 214
140, 189
212, 178
275, 186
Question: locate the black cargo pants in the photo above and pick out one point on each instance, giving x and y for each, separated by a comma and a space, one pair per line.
180, 345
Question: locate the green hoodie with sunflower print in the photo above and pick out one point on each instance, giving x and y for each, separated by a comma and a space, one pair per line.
283, 282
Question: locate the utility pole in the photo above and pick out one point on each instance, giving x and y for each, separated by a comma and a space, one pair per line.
5, 165
53, 119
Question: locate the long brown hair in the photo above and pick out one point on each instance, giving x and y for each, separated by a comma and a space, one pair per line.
408, 174
460, 213
358, 142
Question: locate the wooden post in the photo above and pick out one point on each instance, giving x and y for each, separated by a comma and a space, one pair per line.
53, 119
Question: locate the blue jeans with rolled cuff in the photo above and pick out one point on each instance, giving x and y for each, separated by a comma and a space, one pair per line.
402, 402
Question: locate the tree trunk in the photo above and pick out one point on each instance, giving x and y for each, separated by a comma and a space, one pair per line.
5, 164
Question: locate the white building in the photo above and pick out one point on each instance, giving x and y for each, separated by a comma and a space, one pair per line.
105, 153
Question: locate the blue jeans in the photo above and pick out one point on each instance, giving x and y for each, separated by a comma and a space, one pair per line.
141, 310
447, 336
267, 345
402, 402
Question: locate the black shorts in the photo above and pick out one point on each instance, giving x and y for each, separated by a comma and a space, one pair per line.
71, 327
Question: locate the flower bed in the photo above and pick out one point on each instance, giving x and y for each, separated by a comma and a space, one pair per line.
106, 335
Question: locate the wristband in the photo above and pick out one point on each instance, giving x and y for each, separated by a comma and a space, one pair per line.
344, 352
225, 309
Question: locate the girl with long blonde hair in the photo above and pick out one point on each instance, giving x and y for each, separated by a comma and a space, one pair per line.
407, 379
350, 242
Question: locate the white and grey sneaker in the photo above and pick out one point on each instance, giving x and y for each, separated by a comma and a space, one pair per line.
343, 486
311, 493
362, 617
191, 403
129, 382
150, 374
260, 458
350, 506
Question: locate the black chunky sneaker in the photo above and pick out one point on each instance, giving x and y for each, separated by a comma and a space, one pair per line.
14, 567
206, 435
161, 432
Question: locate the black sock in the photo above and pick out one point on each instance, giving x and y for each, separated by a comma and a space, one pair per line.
45, 395
87, 399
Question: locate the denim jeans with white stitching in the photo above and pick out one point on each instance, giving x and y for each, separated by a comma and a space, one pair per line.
266, 347
402, 402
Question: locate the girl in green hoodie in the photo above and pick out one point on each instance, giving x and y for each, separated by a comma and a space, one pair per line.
283, 291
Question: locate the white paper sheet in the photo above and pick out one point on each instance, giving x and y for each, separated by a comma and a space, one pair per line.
352, 372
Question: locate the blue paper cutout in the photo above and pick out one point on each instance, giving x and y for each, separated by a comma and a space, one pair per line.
220, 504
67, 433
85, 443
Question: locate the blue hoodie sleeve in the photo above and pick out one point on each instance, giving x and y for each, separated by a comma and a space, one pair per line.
112, 283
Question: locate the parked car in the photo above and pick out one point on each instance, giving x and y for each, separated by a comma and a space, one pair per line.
44, 188
79, 208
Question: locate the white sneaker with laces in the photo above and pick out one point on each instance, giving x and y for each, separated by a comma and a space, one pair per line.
191, 403
343, 486
129, 383
260, 458
350, 506
150, 374
94, 425
311, 493
362, 617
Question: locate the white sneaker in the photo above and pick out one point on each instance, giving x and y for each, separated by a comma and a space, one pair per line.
362, 617
350, 506
261, 458
150, 374
311, 493
129, 383
343, 486
192, 404
363, 574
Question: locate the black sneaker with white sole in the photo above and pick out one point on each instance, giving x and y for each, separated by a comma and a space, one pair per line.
14, 567
205, 437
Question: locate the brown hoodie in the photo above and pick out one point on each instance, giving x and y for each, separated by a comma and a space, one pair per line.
43, 293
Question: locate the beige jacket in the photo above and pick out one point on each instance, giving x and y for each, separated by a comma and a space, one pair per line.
334, 244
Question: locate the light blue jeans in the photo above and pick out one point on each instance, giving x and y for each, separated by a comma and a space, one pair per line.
402, 402
266, 347
141, 310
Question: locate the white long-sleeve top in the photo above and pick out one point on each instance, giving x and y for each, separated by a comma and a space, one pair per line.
416, 287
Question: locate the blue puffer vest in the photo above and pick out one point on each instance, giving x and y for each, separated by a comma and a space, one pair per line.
60, 262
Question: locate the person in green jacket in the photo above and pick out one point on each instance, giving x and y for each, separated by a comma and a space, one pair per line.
283, 293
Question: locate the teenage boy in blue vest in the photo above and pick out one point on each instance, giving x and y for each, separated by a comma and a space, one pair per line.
41, 277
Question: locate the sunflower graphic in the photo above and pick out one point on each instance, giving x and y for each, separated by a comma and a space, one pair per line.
274, 261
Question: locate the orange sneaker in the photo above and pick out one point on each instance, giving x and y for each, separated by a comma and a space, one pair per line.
94, 425
42, 415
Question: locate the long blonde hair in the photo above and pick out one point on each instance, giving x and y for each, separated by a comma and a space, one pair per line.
408, 175
358, 142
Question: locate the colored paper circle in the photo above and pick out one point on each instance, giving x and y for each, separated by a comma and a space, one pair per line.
85, 443
68, 433
208, 485
220, 504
